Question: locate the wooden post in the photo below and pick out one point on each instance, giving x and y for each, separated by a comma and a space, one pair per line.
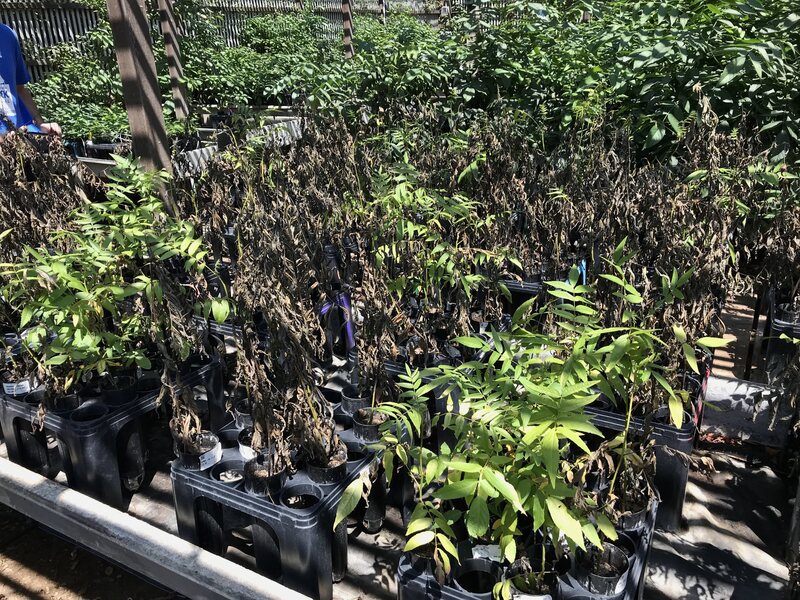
169, 29
137, 68
347, 27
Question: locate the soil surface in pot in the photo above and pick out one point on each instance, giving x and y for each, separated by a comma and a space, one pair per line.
301, 501
599, 564
530, 584
231, 476
367, 416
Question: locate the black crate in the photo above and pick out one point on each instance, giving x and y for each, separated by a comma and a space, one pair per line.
98, 445
296, 546
416, 583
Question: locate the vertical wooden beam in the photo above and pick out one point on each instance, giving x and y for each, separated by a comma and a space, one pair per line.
347, 28
137, 67
171, 33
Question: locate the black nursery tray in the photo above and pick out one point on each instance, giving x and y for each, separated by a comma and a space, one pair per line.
96, 444
296, 546
416, 584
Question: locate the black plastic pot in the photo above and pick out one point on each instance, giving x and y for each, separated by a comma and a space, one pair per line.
90, 394
229, 472
352, 401
375, 510
605, 584
476, 576
131, 455
259, 484
301, 496
194, 362
34, 445
787, 314
529, 563
421, 564
148, 382
242, 415
34, 398
64, 404
636, 521
89, 411
328, 475
206, 452
123, 392
366, 431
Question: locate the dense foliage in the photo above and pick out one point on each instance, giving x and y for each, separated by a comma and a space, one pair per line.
652, 65
635, 160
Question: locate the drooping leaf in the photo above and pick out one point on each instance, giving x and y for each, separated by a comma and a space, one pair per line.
349, 501
565, 522
712, 342
459, 489
470, 342
606, 527
676, 411
507, 490
732, 70
421, 539
655, 135
477, 517
691, 359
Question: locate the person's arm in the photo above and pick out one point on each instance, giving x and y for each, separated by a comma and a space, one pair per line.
27, 99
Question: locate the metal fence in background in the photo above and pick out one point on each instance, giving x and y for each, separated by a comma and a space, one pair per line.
42, 24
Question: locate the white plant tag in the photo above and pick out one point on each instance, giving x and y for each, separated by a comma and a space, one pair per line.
210, 458
490, 552
20, 388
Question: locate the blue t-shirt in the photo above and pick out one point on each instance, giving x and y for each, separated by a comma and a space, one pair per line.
13, 72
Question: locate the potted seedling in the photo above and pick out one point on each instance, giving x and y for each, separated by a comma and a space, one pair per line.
106, 295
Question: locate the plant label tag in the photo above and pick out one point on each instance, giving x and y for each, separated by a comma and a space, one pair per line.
522, 596
19, 388
210, 458
489, 552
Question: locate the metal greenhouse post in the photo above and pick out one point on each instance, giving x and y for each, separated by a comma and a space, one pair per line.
171, 33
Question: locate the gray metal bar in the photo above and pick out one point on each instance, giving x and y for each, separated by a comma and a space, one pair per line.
98, 166
140, 547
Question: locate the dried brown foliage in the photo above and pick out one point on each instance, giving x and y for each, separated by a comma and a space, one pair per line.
38, 191
551, 203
